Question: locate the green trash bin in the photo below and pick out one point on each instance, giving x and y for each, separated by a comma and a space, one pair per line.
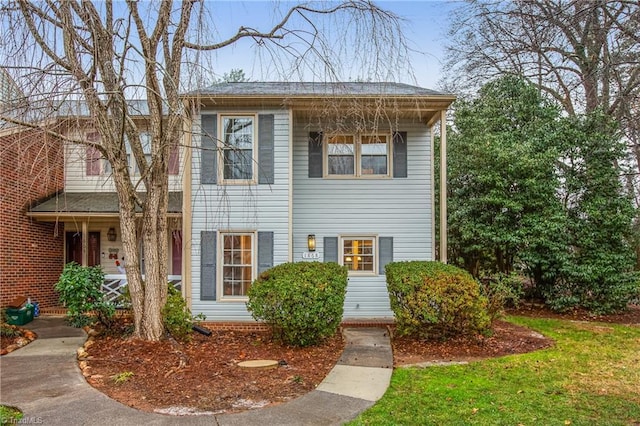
20, 316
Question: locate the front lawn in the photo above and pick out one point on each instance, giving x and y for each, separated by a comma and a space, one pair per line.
591, 376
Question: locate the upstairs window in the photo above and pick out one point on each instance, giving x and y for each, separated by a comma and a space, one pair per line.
174, 159
145, 141
374, 155
238, 148
96, 164
341, 153
358, 155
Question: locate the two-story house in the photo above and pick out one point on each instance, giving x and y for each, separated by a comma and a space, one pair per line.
87, 207
271, 173
281, 172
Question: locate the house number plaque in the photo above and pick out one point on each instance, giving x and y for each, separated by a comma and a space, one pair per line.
311, 255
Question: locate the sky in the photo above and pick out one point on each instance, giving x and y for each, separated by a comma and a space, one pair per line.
425, 23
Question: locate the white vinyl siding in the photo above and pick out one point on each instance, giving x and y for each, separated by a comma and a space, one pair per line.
392, 207
76, 179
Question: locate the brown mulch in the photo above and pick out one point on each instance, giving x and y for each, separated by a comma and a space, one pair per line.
506, 339
204, 374
22, 338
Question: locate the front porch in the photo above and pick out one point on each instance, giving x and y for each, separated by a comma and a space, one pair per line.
90, 226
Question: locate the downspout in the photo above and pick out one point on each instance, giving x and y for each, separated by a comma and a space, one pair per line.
443, 186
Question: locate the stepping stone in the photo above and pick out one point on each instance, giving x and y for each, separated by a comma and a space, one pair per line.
258, 363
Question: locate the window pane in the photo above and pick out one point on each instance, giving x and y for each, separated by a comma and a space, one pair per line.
237, 264
358, 254
147, 159
374, 165
145, 141
341, 155
374, 155
238, 164
339, 165
238, 148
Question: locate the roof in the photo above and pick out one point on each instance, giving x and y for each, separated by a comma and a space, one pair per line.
80, 108
310, 98
316, 89
92, 203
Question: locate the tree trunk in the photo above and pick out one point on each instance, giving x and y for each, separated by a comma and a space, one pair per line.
154, 237
128, 230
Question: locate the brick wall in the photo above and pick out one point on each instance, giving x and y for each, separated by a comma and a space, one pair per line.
31, 252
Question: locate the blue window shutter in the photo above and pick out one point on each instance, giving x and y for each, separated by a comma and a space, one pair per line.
400, 154
315, 155
208, 265
331, 249
385, 253
265, 148
265, 251
209, 151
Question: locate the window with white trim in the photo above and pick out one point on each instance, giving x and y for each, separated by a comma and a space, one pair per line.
238, 148
358, 254
362, 155
341, 155
238, 264
145, 142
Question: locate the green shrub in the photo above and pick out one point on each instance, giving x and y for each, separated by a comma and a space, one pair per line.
501, 290
176, 317
79, 290
301, 302
8, 330
604, 295
434, 300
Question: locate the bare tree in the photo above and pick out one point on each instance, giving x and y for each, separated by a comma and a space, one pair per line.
103, 53
583, 53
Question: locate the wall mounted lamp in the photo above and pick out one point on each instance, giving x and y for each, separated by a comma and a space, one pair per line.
111, 234
311, 242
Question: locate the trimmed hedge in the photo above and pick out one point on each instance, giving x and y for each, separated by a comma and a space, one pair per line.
302, 302
435, 300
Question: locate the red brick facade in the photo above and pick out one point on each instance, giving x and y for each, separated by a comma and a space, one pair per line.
32, 253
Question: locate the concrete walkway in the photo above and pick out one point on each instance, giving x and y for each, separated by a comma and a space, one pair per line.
44, 381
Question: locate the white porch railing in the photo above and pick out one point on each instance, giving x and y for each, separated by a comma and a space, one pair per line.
114, 285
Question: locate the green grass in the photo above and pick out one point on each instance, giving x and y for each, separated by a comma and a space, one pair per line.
591, 376
9, 415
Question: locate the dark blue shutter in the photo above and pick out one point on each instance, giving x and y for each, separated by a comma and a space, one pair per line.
331, 249
265, 148
265, 251
400, 154
209, 152
385, 253
208, 265
315, 155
